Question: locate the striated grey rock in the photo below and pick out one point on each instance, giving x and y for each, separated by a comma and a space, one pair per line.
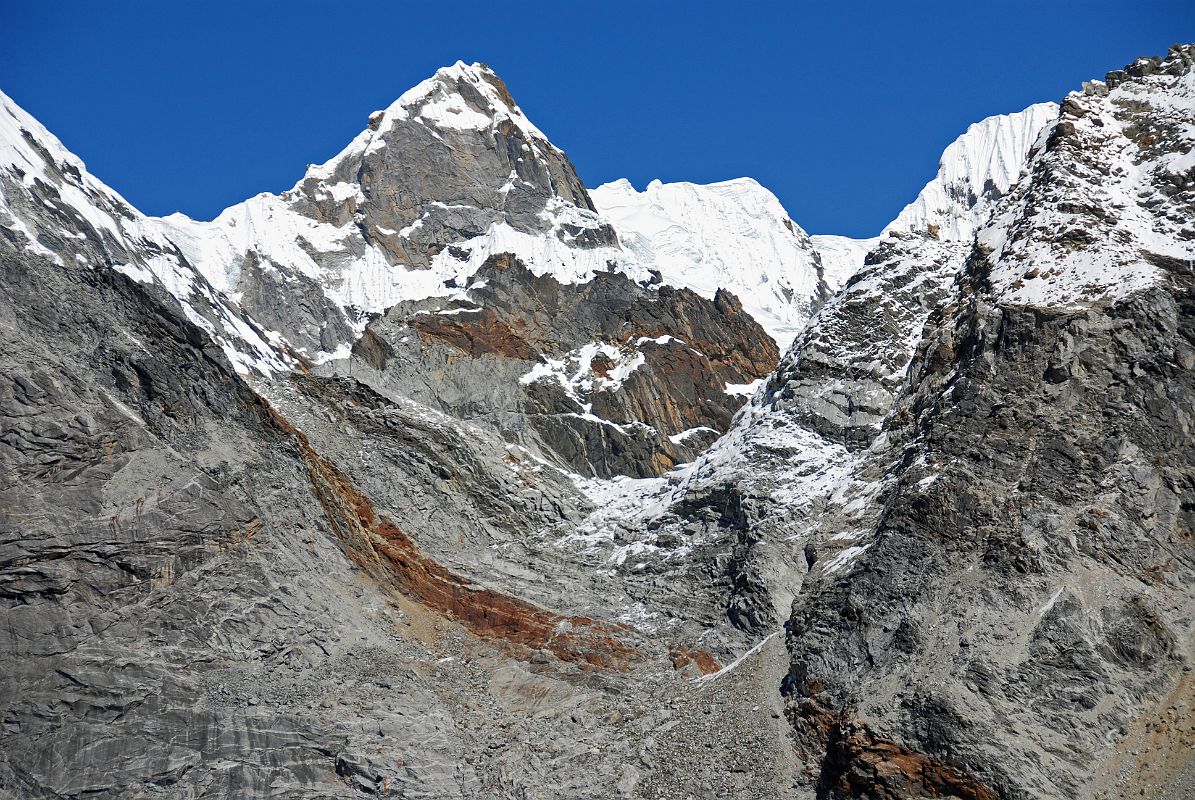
198, 603
607, 377
163, 563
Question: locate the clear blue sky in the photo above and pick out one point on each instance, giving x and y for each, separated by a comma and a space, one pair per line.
841, 108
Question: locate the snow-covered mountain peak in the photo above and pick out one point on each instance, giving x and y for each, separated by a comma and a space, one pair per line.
447, 175
975, 171
732, 234
461, 97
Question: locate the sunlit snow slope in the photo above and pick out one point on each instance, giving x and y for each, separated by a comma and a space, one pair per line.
975, 171
731, 235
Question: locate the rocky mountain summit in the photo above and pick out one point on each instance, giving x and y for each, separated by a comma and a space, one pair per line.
440, 475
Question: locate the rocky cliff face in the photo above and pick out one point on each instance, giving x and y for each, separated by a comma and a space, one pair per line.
941, 550
1012, 615
605, 378
924, 530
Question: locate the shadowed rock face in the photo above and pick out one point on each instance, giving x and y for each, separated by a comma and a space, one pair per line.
1030, 501
608, 377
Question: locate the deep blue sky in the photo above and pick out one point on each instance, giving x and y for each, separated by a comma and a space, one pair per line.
841, 108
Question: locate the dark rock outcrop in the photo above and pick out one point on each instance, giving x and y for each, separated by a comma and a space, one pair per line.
1018, 608
607, 377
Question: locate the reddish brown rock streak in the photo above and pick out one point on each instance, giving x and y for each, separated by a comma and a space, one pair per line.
376, 544
861, 763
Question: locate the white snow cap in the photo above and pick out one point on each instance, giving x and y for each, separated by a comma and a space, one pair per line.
1034, 264
990, 155
732, 235
438, 100
16, 150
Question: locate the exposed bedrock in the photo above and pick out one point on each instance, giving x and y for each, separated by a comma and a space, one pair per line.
608, 377
1026, 599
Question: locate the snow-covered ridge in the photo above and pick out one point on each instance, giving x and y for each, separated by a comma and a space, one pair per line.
29, 153
439, 102
731, 235
1102, 234
27, 147
46, 191
975, 170
358, 275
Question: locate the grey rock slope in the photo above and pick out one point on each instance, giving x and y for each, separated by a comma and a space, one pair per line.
926, 485
149, 507
943, 551
1019, 608
199, 601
